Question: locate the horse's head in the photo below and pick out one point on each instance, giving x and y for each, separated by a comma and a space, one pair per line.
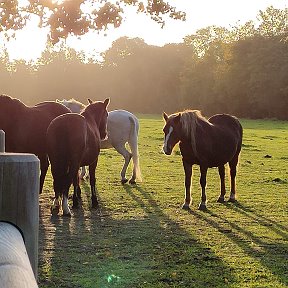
171, 130
103, 113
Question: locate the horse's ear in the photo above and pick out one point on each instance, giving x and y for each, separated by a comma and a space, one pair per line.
165, 117
177, 118
90, 101
106, 102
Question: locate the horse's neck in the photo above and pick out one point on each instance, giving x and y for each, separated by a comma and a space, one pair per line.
91, 121
203, 130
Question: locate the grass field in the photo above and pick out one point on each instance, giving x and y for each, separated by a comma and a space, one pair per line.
140, 236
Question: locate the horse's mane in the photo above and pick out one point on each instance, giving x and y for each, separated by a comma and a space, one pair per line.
189, 120
72, 102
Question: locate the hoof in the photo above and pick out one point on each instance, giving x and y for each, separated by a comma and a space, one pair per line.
75, 202
55, 210
124, 180
132, 182
186, 207
67, 214
75, 205
79, 192
232, 200
95, 203
221, 200
202, 207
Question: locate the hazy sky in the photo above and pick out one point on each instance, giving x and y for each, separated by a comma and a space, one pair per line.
200, 14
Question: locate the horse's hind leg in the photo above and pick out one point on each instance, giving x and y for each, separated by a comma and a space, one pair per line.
82, 173
221, 170
77, 191
57, 185
127, 157
92, 168
233, 165
203, 170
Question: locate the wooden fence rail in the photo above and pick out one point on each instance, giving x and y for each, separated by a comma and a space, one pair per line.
15, 268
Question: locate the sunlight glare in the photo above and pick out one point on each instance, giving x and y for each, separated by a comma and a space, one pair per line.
28, 43
58, 1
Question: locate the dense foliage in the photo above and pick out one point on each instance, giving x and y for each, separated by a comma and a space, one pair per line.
77, 17
242, 71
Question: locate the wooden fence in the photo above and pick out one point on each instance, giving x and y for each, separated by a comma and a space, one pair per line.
19, 206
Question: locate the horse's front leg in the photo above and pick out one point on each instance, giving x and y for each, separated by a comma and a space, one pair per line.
188, 174
92, 168
221, 170
203, 171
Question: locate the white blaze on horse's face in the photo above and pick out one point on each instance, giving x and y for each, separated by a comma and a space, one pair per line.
167, 148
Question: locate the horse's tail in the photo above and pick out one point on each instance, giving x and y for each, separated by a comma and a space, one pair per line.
58, 158
133, 143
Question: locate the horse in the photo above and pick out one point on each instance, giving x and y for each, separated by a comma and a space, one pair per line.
25, 127
122, 127
73, 140
205, 142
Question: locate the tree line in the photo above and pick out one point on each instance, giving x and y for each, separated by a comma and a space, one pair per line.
242, 71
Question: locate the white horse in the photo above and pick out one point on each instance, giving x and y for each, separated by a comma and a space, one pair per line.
122, 128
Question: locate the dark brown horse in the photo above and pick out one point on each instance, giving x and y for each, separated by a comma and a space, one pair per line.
25, 127
74, 141
208, 143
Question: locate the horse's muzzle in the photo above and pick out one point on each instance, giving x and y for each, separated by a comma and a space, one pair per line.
167, 150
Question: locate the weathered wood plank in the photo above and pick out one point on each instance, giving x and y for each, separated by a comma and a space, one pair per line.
2, 141
19, 198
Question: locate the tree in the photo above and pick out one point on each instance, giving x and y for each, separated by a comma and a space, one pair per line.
77, 17
274, 22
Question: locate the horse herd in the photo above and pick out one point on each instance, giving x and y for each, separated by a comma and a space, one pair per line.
70, 135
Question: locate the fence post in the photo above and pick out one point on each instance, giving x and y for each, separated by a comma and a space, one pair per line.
2, 141
15, 268
19, 198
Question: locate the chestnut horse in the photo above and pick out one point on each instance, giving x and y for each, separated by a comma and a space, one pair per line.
208, 143
25, 127
73, 140
122, 127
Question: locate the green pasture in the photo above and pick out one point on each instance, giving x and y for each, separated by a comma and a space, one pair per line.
140, 236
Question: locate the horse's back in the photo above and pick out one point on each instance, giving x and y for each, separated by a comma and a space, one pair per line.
66, 136
25, 126
227, 122
67, 127
121, 116
221, 141
51, 109
119, 125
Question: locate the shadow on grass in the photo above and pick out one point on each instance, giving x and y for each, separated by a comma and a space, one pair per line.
272, 254
141, 248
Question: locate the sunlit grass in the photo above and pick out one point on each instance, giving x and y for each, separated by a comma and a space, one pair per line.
140, 236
